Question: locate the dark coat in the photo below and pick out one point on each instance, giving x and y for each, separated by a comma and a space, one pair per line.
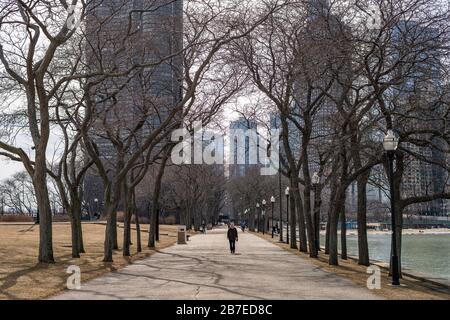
232, 234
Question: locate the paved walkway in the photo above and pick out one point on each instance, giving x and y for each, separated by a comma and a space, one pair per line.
204, 269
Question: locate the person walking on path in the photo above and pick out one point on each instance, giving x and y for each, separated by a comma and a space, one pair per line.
232, 236
203, 227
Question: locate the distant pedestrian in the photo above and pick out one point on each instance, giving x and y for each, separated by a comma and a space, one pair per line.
203, 227
232, 236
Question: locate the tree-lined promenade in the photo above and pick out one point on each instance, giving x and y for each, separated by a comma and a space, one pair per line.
112, 86
262, 268
204, 270
73, 80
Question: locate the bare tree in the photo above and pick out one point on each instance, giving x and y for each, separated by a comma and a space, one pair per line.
18, 194
205, 34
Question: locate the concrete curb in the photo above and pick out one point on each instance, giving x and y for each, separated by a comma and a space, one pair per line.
441, 282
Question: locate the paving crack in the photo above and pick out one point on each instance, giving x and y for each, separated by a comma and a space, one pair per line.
197, 292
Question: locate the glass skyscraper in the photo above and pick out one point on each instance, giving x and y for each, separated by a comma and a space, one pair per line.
141, 43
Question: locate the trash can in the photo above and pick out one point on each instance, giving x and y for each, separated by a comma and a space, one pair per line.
182, 235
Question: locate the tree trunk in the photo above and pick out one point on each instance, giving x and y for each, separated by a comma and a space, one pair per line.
307, 190
114, 230
293, 223
339, 204
334, 220
73, 209
152, 229
76, 227
188, 218
251, 222
76, 209
333, 246
330, 212
80, 237
128, 212
112, 197
157, 225
44, 212
126, 233
363, 246
309, 222
195, 219
344, 255
155, 205
110, 209
399, 233
301, 218
75, 234
327, 234
183, 217
138, 231
317, 206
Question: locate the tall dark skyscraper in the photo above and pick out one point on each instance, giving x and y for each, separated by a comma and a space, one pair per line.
417, 98
318, 8
325, 51
328, 67
141, 39
242, 147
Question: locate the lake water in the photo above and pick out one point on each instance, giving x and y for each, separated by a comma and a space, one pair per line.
424, 253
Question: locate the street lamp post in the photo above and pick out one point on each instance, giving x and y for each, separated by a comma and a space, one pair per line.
390, 145
287, 191
316, 218
258, 212
96, 207
445, 210
272, 200
281, 220
157, 224
264, 216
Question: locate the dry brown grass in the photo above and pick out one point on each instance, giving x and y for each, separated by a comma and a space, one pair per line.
414, 289
21, 277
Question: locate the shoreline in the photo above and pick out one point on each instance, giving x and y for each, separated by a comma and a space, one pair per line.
408, 232
413, 235
417, 286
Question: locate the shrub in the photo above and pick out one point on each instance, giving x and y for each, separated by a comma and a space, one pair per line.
170, 220
61, 218
16, 218
142, 220
120, 216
